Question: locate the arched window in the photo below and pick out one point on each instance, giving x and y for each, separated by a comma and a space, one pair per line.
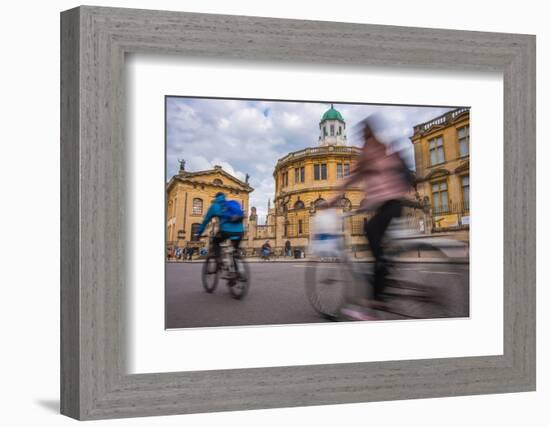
197, 206
217, 181
318, 202
299, 205
194, 229
345, 204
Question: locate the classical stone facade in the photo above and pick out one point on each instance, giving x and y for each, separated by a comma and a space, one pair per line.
305, 178
188, 196
442, 157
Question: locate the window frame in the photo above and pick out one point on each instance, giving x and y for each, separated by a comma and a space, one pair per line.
193, 212
465, 201
439, 192
465, 138
436, 149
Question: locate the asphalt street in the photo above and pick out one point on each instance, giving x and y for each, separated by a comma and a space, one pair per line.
277, 294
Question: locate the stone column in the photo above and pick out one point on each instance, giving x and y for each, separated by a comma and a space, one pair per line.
252, 229
280, 231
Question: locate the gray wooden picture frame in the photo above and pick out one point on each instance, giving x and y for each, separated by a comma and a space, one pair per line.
94, 41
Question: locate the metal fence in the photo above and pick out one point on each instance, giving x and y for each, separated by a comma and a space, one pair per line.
459, 213
451, 208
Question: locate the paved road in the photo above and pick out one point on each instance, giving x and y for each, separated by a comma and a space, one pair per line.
277, 296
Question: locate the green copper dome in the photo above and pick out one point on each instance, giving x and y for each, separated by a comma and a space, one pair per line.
332, 114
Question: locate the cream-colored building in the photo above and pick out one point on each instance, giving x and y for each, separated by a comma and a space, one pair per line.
442, 157
305, 178
188, 197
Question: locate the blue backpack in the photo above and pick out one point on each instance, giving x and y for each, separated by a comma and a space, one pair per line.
232, 211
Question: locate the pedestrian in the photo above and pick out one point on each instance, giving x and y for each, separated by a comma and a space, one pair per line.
266, 250
288, 248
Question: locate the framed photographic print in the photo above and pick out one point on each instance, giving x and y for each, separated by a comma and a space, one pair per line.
298, 193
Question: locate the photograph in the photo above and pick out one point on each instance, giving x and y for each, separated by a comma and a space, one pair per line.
284, 212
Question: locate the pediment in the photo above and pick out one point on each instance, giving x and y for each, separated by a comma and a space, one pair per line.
437, 173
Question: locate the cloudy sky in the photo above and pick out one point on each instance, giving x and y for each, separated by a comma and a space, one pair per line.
248, 136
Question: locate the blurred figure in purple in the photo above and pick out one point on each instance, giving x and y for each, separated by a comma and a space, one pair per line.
382, 170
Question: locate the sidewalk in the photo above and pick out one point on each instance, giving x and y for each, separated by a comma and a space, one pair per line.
406, 260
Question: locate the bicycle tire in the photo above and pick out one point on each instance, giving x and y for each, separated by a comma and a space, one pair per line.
426, 298
239, 288
328, 285
210, 274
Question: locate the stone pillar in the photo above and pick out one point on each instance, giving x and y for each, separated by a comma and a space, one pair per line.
348, 229
252, 227
280, 231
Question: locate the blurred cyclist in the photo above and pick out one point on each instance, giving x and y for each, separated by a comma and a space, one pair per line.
387, 180
230, 216
266, 250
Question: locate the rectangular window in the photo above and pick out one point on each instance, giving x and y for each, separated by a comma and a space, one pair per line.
464, 140
331, 130
320, 171
298, 175
300, 226
197, 206
440, 197
437, 154
285, 179
342, 170
465, 181
194, 229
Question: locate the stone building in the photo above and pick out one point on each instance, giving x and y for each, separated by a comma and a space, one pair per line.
305, 178
442, 157
188, 196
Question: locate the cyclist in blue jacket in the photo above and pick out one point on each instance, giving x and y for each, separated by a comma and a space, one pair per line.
230, 217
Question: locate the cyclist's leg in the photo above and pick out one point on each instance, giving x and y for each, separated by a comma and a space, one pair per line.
216, 242
236, 242
375, 229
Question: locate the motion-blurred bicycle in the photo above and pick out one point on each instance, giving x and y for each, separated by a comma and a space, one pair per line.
336, 279
231, 267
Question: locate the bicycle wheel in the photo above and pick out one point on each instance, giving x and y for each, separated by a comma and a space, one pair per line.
327, 287
210, 274
238, 288
427, 294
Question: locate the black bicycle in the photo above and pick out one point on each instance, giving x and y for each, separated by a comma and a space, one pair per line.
232, 268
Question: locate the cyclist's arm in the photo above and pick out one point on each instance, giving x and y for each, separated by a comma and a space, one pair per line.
211, 213
356, 175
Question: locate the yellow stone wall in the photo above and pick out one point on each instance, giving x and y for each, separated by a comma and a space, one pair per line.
288, 192
183, 189
284, 219
449, 172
